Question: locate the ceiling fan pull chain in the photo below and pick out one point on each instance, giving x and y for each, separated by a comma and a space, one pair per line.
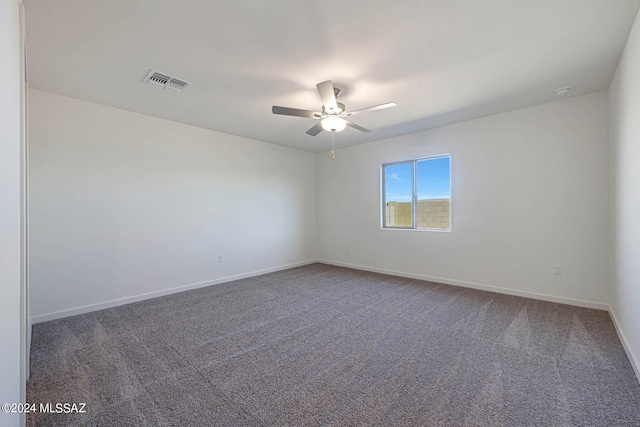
333, 156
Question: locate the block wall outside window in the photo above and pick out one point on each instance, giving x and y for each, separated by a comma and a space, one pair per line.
431, 214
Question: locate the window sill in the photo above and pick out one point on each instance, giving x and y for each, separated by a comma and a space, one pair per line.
437, 230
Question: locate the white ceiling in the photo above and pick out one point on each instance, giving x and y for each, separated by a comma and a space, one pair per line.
441, 61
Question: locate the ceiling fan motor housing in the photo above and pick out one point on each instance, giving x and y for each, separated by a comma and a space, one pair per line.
340, 110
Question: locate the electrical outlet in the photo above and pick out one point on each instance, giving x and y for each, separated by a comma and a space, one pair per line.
557, 270
220, 258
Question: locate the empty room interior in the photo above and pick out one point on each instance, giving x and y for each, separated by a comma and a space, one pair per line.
320, 213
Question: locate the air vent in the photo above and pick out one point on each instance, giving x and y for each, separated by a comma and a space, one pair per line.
165, 82
176, 85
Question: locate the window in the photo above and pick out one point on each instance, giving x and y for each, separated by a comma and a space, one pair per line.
416, 194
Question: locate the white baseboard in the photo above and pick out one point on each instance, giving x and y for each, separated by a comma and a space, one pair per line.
507, 291
625, 344
155, 294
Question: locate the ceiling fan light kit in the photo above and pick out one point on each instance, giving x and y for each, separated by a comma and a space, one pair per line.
334, 124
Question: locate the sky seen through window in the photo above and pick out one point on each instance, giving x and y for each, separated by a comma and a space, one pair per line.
433, 180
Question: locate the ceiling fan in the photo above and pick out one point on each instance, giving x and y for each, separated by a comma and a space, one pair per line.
332, 117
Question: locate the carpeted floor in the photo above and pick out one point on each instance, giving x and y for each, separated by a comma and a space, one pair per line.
323, 345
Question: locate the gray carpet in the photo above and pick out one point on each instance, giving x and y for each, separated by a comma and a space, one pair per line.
323, 345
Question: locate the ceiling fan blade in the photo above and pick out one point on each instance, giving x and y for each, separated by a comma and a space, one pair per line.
327, 94
374, 108
355, 126
295, 112
316, 129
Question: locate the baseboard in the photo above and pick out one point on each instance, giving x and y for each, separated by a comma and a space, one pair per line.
507, 291
127, 300
625, 344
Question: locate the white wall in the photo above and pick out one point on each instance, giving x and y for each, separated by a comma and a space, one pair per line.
124, 205
11, 380
529, 190
624, 96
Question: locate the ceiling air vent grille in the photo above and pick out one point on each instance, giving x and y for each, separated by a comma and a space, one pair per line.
165, 82
177, 85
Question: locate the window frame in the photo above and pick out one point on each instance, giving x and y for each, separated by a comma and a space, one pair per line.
414, 197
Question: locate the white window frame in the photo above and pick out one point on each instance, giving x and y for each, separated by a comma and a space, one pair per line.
414, 198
